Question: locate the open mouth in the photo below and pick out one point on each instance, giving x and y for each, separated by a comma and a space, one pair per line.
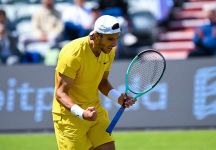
109, 48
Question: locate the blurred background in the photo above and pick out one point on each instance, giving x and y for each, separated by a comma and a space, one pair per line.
168, 26
32, 32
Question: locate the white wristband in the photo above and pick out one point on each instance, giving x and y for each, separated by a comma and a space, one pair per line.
78, 111
114, 94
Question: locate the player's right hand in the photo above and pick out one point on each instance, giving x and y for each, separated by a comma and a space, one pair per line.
90, 114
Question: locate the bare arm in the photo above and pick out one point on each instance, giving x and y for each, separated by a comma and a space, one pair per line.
104, 85
62, 90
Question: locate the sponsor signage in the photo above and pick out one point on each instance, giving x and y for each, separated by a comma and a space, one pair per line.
184, 98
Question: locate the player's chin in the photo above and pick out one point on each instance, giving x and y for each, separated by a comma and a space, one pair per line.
107, 50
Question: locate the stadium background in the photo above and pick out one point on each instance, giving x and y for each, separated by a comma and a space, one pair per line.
183, 103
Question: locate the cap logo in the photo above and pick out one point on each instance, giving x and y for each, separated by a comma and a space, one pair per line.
104, 29
115, 26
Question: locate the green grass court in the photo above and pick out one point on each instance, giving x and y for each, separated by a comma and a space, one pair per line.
131, 140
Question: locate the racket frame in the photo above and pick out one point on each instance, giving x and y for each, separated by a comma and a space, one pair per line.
127, 88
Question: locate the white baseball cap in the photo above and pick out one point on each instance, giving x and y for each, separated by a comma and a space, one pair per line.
107, 24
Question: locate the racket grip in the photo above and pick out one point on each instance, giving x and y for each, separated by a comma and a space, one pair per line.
115, 120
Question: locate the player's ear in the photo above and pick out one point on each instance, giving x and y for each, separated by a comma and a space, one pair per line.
92, 36
98, 35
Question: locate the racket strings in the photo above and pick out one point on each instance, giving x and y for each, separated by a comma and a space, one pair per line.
145, 72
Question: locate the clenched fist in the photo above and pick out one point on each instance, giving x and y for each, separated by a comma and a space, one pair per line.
90, 114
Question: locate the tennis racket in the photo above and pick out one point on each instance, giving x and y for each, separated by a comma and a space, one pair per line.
143, 74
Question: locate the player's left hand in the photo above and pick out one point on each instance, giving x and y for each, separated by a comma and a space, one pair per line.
127, 100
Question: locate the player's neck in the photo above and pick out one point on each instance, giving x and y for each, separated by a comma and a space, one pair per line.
94, 49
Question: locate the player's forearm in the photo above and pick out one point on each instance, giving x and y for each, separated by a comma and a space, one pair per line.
64, 99
105, 87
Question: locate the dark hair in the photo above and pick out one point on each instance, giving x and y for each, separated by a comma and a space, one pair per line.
92, 36
2, 12
100, 34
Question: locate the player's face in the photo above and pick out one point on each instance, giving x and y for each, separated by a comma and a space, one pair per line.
107, 42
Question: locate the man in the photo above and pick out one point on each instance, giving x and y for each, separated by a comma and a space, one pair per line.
47, 24
9, 52
78, 20
47, 27
205, 36
4, 19
82, 70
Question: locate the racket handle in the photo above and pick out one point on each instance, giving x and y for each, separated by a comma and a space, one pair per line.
115, 120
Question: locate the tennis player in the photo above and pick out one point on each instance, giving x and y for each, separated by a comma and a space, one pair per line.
82, 71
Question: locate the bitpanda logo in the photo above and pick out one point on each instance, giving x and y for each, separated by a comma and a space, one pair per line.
205, 93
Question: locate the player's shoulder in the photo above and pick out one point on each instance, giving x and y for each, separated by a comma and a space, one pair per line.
74, 48
77, 44
81, 40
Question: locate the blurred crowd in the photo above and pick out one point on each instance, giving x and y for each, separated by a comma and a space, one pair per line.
205, 36
36, 33
38, 36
